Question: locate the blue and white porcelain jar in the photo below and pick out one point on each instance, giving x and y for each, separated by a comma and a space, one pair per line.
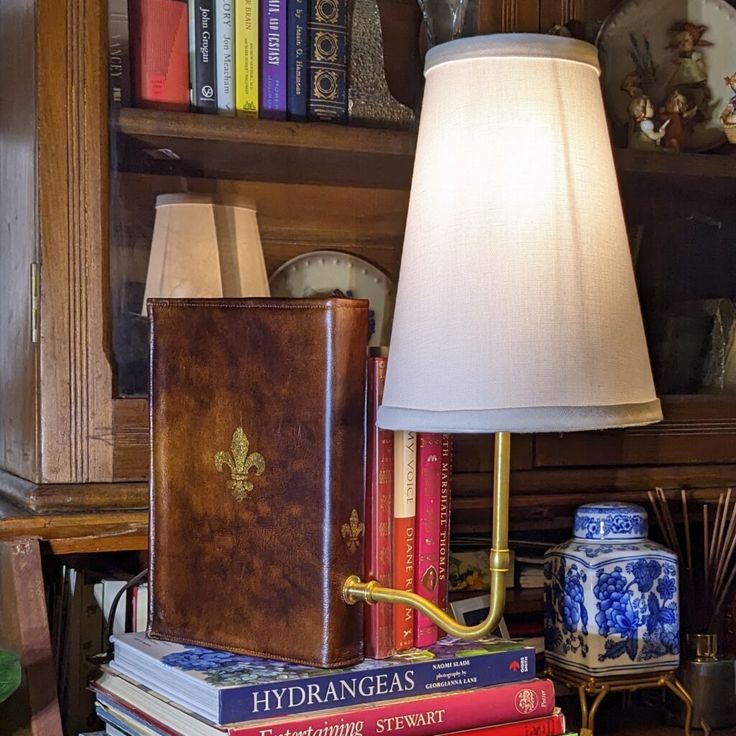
611, 596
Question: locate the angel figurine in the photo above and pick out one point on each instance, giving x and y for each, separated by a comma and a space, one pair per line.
689, 75
678, 116
728, 116
644, 136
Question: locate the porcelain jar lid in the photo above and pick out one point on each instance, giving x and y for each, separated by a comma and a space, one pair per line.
610, 521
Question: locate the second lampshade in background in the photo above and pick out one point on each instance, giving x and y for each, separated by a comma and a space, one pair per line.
204, 247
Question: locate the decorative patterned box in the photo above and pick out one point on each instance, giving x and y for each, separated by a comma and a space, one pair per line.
611, 596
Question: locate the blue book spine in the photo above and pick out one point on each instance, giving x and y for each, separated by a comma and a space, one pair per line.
296, 59
468, 669
273, 59
328, 61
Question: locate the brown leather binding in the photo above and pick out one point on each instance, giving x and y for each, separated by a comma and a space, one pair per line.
251, 531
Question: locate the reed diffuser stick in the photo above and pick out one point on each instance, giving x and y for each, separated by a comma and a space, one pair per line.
688, 544
705, 543
660, 521
714, 533
729, 542
668, 521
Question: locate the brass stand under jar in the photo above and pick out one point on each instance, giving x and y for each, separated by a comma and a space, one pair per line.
599, 687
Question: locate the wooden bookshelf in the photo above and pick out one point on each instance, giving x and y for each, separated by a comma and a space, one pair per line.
717, 165
261, 150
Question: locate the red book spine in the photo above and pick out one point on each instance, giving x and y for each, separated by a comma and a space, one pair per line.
378, 619
424, 716
160, 53
429, 467
444, 535
553, 725
405, 478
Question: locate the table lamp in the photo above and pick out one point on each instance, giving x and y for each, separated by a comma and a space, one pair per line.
205, 246
516, 308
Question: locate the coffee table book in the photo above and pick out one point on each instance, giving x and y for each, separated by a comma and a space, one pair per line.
519, 709
223, 687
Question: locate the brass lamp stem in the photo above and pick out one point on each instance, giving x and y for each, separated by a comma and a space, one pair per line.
354, 590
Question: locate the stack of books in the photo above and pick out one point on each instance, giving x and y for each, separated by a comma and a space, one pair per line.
483, 687
273, 59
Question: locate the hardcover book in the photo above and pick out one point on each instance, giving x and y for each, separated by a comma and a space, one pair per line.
379, 635
246, 58
159, 47
426, 715
297, 51
118, 61
443, 576
273, 59
203, 55
258, 475
224, 32
328, 56
225, 688
404, 546
426, 569
151, 716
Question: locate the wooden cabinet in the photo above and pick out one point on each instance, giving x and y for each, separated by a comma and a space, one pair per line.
77, 212
73, 429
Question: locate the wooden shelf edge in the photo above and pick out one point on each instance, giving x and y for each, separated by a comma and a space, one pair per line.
71, 497
318, 136
713, 165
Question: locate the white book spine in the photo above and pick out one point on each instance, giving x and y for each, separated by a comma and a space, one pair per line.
225, 57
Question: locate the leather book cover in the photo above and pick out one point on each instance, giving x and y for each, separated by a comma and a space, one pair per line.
258, 475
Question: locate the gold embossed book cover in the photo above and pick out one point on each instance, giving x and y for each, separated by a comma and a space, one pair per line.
257, 475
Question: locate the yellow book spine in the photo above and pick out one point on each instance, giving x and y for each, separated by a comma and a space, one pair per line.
246, 58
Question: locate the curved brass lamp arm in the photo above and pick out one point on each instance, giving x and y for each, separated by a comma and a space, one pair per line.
371, 592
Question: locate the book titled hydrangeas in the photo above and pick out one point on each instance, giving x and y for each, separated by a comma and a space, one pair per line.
225, 688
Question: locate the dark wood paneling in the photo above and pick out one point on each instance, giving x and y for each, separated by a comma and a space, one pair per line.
508, 16
696, 429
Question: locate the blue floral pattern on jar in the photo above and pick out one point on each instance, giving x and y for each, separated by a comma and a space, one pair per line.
621, 611
611, 600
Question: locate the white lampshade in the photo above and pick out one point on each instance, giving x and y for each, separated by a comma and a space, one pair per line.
516, 307
205, 247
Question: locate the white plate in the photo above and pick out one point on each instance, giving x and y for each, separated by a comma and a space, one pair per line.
651, 20
323, 272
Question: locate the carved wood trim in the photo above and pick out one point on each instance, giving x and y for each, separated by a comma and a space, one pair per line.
508, 16
75, 375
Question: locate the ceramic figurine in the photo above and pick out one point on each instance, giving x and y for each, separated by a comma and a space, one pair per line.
643, 134
690, 75
728, 116
611, 596
678, 118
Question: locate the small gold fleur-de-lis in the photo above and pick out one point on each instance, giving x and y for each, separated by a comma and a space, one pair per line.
240, 464
352, 530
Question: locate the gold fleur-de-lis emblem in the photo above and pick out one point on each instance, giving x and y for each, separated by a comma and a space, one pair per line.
240, 464
352, 530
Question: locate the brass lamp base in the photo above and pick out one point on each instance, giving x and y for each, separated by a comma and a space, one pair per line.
599, 687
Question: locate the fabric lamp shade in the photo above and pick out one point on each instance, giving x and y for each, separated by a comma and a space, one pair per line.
205, 247
516, 306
